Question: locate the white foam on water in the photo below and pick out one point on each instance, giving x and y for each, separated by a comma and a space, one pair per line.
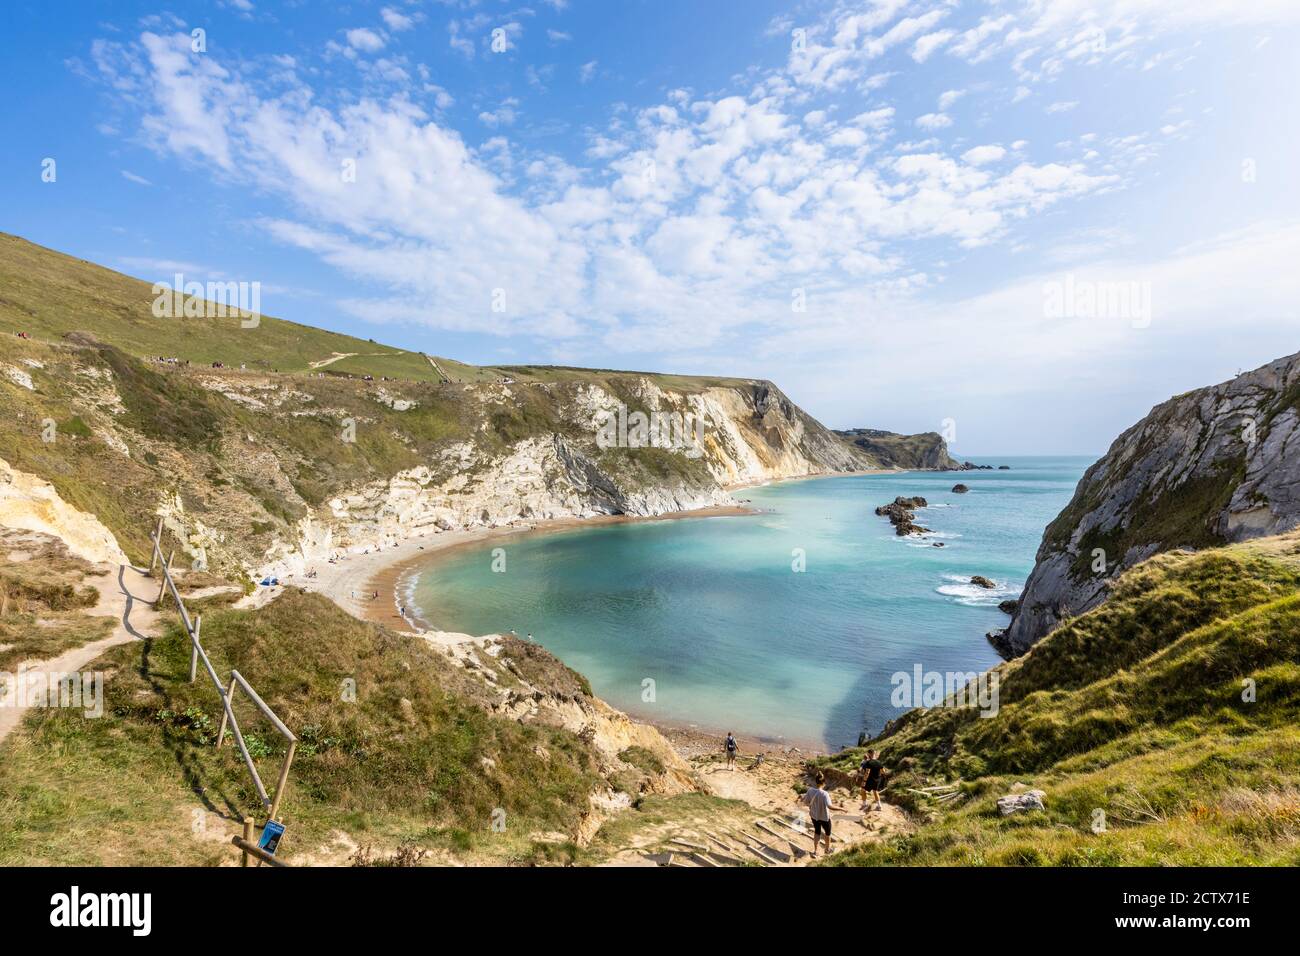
972, 595
414, 613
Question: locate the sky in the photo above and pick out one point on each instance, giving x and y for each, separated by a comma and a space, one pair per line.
1019, 222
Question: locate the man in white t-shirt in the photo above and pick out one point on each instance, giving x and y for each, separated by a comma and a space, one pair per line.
820, 806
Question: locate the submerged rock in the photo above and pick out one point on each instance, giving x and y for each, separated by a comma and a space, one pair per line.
959, 489
982, 582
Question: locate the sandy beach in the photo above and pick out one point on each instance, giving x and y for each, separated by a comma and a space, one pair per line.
365, 585
370, 586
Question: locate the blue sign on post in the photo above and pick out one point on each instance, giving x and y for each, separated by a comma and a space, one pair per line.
271, 834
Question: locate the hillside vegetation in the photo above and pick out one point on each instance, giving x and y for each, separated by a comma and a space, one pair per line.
1167, 719
49, 295
418, 755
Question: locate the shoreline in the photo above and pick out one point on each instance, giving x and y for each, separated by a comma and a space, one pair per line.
390, 579
365, 585
369, 586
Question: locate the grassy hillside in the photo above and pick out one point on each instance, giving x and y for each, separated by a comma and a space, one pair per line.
238, 464
418, 756
49, 295
1133, 715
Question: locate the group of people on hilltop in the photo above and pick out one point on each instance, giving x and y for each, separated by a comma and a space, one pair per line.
870, 778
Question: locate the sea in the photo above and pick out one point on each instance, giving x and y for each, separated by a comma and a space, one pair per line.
791, 625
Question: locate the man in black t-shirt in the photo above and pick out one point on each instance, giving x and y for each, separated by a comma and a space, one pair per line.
871, 769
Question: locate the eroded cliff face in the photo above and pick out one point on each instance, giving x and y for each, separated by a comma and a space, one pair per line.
748, 433
1216, 465
254, 471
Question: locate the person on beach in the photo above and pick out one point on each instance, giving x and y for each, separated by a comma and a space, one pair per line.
871, 769
820, 806
731, 747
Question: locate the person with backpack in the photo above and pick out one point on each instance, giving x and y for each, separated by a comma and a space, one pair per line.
731, 747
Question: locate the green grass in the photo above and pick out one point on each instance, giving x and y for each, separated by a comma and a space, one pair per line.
1135, 714
415, 757
50, 295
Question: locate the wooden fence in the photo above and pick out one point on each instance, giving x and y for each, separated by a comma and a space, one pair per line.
227, 694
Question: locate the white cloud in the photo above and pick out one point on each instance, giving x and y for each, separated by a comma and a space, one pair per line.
1062, 106
132, 177
927, 44
365, 40
503, 115
981, 155
587, 71
695, 219
395, 20
934, 121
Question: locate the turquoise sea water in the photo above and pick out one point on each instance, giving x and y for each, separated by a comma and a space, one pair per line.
711, 611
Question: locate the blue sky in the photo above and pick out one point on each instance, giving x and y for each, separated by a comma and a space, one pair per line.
868, 203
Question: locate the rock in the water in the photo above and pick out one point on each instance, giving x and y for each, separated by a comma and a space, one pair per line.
899, 513
1004, 467
938, 544
982, 582
998, 640
959, 489
1009, 606
1021, 802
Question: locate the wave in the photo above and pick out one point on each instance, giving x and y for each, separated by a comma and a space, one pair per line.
972, 595
413, 613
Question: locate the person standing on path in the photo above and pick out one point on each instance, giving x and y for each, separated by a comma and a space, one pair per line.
731, 747
820, 806
872, 769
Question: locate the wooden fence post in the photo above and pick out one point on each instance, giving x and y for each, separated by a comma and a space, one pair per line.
194, 653
166, 569
230, 699
248, 838
284, 779
157, 537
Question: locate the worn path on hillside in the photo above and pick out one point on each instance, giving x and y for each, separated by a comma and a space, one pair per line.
125, 594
